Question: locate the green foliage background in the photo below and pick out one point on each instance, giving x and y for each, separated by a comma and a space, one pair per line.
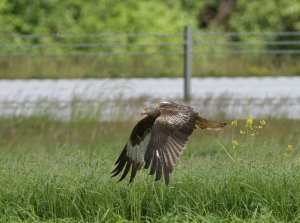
130, 16
113, 16
105, 16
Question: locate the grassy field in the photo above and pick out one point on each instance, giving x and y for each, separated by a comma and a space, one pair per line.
54, 171
147, 66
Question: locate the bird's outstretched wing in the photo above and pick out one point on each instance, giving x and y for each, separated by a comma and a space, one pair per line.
169, 135
132, 155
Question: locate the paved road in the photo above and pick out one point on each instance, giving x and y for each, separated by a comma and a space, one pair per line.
278, 96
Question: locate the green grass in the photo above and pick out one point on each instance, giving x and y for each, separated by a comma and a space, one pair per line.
54, 171
147, 66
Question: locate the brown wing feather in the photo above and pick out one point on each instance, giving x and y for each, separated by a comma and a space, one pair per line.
132, 156
169, 135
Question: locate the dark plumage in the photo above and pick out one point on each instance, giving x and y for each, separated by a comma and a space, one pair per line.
159, 138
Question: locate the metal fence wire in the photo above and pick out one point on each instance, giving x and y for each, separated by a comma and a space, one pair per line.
185, 44
134, 44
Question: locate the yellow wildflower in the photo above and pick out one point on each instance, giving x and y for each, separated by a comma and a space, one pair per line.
252, 134
249, 121
262, 122
234, 123
289, 148
234, 143
260, 127
242, 132
298, 158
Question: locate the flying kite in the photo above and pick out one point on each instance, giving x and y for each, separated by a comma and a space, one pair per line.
159, 138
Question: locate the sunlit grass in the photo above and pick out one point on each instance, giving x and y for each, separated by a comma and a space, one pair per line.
59, 171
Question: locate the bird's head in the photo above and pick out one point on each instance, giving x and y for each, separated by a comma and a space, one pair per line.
152, 110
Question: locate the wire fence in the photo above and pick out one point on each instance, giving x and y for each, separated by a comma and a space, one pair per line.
184, 45
136, 44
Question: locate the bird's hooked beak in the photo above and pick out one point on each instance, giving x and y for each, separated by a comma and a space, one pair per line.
144, 112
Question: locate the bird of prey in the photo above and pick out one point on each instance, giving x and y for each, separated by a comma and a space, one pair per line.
159, 138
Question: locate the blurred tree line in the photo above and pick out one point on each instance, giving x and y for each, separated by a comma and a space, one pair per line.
131, 16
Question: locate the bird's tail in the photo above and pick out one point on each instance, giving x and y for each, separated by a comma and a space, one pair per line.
207, 124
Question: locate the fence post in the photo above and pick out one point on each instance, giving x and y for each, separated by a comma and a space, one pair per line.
187, 61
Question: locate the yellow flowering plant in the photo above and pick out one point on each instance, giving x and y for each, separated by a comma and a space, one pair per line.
290, 148
244, 134
244, 139
248, 129
234, 123
288, 151
234, 143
